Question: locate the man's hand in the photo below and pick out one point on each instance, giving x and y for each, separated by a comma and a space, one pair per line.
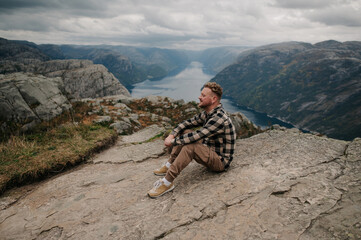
168, 140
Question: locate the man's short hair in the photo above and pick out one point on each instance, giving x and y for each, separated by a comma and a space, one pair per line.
215, 87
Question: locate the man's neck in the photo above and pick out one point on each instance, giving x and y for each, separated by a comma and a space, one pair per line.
211, 107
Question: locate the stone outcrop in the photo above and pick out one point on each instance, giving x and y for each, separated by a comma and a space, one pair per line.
29, 99
43, 89
283, 184
83, 79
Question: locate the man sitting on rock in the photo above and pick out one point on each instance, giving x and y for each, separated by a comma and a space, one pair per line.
212, 145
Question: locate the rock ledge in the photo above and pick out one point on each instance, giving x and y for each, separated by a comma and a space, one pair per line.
283, 184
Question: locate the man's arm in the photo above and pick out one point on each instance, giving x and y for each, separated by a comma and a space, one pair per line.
195, 121
214, 126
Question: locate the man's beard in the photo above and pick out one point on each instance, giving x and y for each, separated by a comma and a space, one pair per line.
202, 105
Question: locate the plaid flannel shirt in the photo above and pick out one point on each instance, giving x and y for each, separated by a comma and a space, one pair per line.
217, 132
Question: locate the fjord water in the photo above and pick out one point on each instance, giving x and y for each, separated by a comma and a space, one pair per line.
187, 85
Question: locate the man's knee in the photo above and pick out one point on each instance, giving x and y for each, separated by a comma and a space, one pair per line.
190, 146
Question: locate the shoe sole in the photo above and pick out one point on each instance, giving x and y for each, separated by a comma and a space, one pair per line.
170, 189
159, 174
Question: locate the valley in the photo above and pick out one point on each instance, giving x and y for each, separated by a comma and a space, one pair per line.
316, 87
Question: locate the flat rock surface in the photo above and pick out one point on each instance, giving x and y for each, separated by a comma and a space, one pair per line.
134, 152
281, 185
143, 135
137, 147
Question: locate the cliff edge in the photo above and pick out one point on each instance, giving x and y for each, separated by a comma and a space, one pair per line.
283, 184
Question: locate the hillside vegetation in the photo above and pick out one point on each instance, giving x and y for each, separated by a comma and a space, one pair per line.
315, 87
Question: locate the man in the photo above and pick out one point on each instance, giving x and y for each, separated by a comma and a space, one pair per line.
212, 145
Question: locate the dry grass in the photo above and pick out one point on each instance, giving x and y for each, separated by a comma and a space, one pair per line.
27, 158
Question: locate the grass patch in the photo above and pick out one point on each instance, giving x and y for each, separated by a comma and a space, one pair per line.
31, 157
159, 135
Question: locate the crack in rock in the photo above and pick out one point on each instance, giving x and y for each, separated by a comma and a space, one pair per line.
7, 217
320, 215
205, 215
52, 233
133, 161
113, 163
51, 214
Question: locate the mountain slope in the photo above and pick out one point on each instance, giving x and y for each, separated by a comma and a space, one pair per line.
19, 55
122, 68
315, 87
129, 64
16, 50
216, 59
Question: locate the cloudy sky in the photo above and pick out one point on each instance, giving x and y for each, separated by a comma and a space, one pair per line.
187, 24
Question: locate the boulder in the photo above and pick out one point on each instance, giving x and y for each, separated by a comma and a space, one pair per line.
156, 100
190, 110
121, 126
103, 119
125, 99
28, 98
123, 106
82, 79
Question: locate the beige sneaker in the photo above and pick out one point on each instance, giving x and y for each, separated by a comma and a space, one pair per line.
161, 171
159, 189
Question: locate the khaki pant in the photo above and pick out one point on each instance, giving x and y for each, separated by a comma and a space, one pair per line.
182, 155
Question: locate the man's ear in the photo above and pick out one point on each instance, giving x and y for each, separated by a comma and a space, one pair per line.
214, 99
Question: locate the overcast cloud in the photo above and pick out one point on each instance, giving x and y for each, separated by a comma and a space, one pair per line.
184, 24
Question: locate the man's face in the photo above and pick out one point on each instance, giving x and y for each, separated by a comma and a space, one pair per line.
206, 98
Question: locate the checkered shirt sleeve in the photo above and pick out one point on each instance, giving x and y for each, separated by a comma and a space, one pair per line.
196, 121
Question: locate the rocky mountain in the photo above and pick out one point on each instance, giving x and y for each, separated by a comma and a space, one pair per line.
20, 51
315, 87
